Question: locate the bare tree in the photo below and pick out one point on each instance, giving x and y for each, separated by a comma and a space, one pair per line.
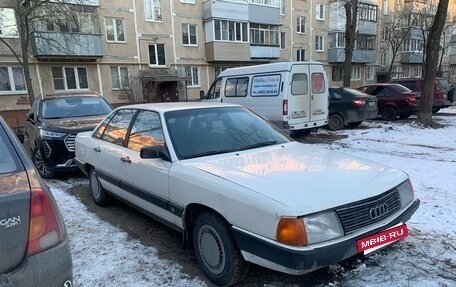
33, 17
351, 17
430, 64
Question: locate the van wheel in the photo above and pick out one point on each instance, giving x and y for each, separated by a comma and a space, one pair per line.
216, 251
40, 165
98, 193
335, 122
389, 114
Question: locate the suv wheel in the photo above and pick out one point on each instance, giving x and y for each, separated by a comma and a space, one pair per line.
40, 165
389, 114
335, 122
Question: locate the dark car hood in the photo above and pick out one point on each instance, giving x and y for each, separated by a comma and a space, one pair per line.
71, 125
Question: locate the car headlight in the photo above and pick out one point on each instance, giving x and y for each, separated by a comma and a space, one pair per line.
50, 135
310, 229
406, 192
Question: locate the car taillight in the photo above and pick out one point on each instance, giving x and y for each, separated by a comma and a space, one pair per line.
285, 107
436, 85
359, 102
410, 99
45, 230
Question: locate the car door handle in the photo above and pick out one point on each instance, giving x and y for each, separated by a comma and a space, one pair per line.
125, 159
97, 149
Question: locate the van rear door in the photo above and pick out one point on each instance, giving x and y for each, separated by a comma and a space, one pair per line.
318, 93
298, 108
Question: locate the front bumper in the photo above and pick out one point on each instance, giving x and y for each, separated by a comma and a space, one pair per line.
297, 261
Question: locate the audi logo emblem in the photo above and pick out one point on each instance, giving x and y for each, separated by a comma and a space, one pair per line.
378, 211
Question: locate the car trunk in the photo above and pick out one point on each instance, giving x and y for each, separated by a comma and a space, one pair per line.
371, 104
14, 219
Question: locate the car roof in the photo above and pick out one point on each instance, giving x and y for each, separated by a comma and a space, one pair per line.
174, 106
88, 94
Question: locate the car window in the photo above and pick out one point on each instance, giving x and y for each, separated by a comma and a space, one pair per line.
379, 92
335, 95
236, 87
65, 107
214, 91
401, 88
7, 163
199, 132
299, 84
146, 131
116, 131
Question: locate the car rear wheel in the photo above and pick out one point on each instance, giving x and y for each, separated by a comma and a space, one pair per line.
40, 165
389, 114
335, 122
216, 251
99, 194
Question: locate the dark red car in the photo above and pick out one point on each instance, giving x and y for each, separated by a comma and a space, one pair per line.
441, 88
394, 100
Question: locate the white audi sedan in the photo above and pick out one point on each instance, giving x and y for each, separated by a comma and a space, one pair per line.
241, 191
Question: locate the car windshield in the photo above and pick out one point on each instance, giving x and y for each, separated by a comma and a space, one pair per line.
68, 107
202, 132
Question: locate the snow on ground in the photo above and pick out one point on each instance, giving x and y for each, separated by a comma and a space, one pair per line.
427, 257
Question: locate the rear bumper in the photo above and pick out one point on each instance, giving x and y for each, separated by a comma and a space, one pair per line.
299, 261
51, 268
360, 115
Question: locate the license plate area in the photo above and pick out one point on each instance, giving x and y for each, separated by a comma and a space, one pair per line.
381, 239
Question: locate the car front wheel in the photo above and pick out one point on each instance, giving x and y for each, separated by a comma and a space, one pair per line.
40, 165
389, 114
99, 194
216, 251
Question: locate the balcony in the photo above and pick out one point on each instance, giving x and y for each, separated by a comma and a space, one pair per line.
337, 55
56, 45
264, 52
227, 51
411, 58
241, 11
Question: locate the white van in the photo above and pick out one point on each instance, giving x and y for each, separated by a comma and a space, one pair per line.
292, 95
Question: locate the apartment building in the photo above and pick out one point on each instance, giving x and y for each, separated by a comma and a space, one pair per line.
170, 50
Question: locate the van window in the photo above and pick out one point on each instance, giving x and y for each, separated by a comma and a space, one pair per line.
214, 91
236, 87
318, 83
265, 86
299, 84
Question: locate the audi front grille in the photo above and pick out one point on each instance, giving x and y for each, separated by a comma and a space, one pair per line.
369, 211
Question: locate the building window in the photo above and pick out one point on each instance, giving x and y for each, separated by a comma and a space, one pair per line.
70, 78
282, 7
219, 69
230, 31
12, 79
370, 71
301, 24
337, 73
194, 74
394, 73
337, 40
418, 72
383, 59
8, 26
301, 55
319, 43
365, 42
189, 35
153, 10
157, 55
264, 34
119, 78
188, 1
283, 39
385, 34
405, 71
320, 12
385, 7
115, 30
367, 12
356, 73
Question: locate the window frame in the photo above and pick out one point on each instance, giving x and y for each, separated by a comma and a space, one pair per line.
2, 24
152, 3
157, 64
189, 35
319, 43
65, 79
193, 83
119, 77
12, 81
115, 31
301, 24
319, 12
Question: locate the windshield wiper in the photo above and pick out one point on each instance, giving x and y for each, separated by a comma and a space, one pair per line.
211, 152
260, 144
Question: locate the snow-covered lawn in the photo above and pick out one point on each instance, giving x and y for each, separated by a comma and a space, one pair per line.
104, 255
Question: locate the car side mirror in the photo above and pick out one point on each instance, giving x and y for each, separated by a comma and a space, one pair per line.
149, 152
202, 95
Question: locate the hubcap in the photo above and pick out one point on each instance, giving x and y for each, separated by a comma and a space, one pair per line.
94, 185
211, 249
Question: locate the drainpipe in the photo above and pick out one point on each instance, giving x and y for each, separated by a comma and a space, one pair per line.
39, 80
138, 53
99, 79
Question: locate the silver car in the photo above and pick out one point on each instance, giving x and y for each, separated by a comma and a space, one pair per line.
34, 244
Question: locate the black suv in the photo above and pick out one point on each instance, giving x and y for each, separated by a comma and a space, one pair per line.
52, 124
